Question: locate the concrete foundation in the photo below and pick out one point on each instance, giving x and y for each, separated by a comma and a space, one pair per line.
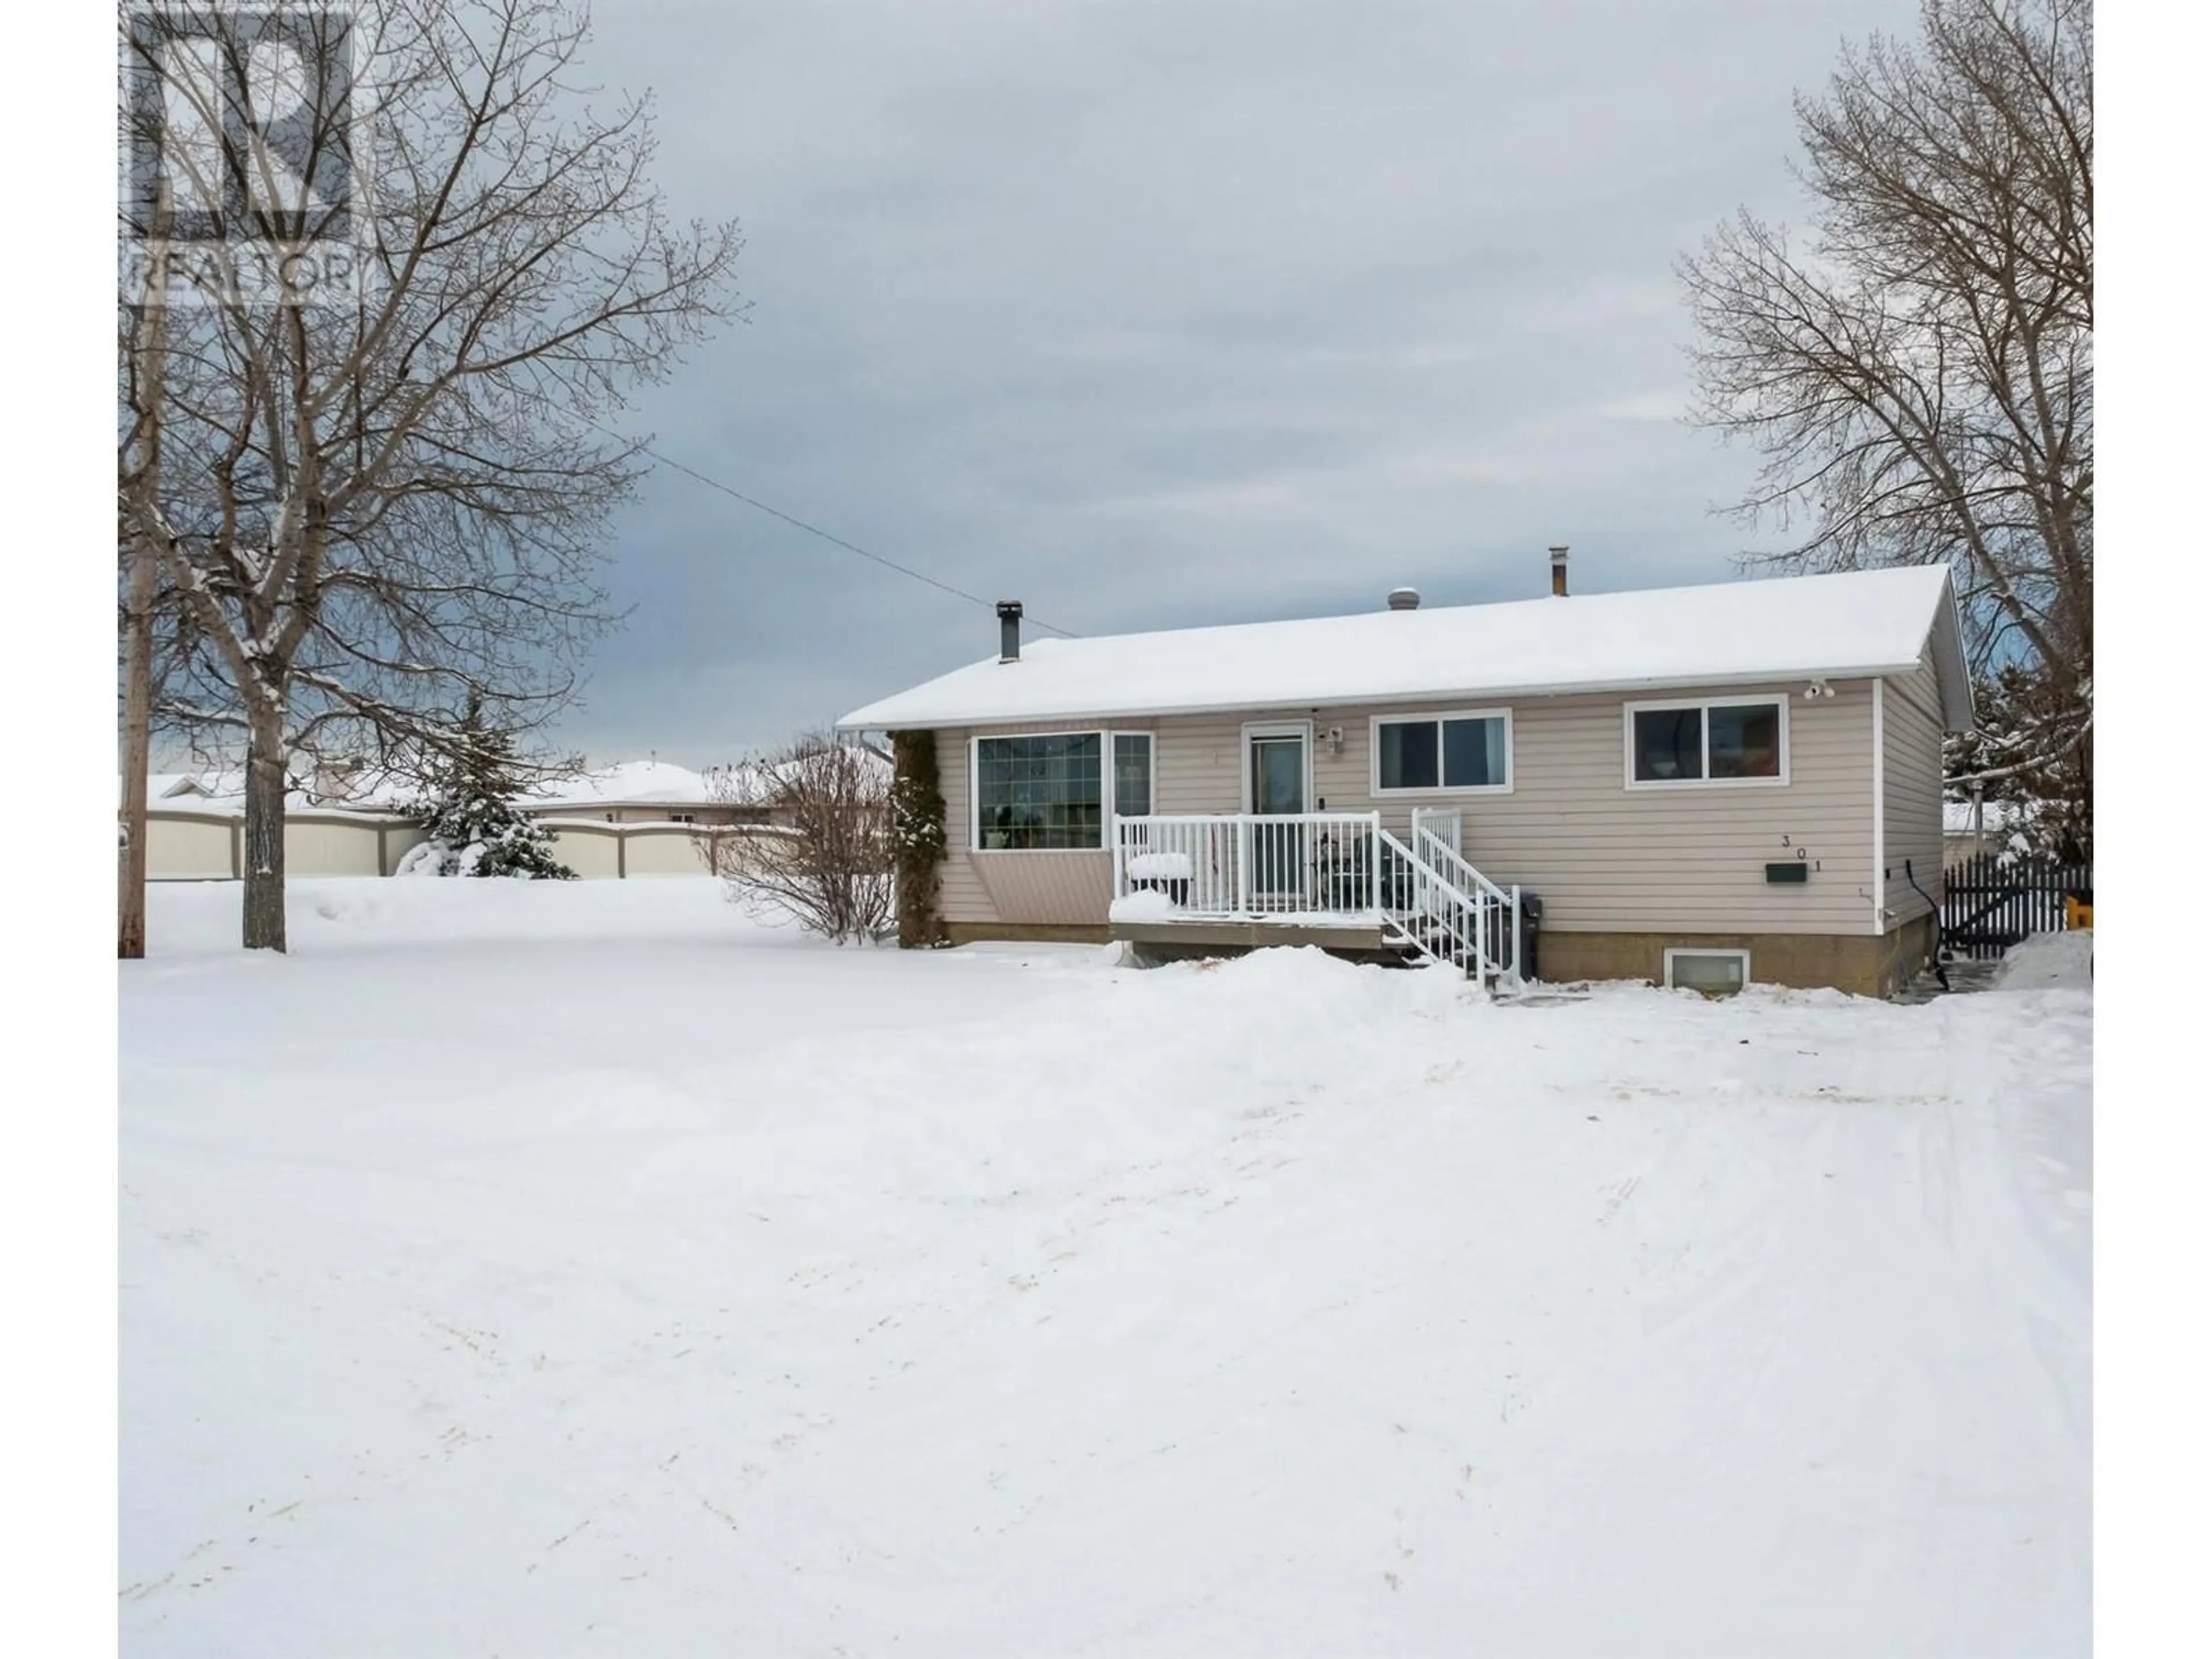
1026, 933
1861, 964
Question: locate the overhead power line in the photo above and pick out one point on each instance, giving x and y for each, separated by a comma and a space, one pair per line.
758, 506
850, 547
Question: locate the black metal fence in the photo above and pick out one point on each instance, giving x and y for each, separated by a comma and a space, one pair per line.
1992, 901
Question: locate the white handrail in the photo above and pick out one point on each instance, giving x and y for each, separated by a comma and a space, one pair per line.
1453, 864
1505, 907
1445, 923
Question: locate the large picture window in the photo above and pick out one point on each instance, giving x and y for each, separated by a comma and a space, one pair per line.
1453, 753
1672, 743
1040, 793
1051, 792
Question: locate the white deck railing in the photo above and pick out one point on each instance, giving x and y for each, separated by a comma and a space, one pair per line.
1322, 866
1246, 866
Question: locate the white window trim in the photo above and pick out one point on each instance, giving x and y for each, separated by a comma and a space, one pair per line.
1152, 773
1273, 729
1105, 787
1630, 710
1666, 972
1442, 790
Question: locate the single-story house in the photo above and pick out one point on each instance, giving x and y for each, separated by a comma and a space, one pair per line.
1699, 786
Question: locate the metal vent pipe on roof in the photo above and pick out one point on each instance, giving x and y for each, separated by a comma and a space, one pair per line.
1010, 630
1403, 599
1559, 573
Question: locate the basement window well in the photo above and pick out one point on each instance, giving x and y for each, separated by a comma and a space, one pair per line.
1712, 973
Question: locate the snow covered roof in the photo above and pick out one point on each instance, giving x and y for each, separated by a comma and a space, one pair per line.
645, 782
1857, 624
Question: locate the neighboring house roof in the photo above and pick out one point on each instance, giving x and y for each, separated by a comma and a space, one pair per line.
1852, 625
213, 791
629, 783
626, 783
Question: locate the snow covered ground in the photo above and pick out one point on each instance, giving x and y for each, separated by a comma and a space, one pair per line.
577, 1268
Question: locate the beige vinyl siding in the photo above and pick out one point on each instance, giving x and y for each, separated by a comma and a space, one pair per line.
1606, 858
1912, 789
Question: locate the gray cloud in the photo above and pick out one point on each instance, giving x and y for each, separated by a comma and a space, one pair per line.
1157, 315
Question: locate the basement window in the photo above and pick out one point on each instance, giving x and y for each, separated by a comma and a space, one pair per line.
1709, 973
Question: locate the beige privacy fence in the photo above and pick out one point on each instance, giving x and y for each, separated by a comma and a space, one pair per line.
187, 845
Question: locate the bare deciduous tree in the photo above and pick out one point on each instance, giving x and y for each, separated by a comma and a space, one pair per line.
370, 514
825, 857
1917, 370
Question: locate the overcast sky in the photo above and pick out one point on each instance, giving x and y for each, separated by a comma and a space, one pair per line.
1153, 315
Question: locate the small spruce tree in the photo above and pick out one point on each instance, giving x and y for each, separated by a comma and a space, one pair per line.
469, 813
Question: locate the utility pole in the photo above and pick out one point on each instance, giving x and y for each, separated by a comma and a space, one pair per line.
141, 478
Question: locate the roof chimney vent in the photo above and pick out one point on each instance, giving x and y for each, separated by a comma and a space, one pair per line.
1403, 599
1010, 630
1559, 573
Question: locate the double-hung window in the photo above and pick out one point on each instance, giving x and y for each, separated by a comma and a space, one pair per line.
1447, 753
1050, 792
1726, 741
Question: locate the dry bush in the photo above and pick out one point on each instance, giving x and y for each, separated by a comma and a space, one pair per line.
825, 859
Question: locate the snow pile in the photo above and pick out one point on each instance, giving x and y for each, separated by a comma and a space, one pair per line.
2045, 962
1146, 904
539, 1267
645, 782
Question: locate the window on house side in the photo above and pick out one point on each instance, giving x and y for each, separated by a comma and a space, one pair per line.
1702, 742
1744, 742
1466, 753
1133, 773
